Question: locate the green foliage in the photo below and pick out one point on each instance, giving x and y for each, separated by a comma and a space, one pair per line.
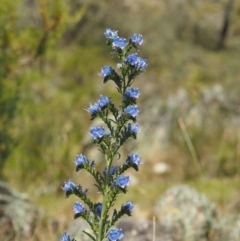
27, 31
49, 47
8, 99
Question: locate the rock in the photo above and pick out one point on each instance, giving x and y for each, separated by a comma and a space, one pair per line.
161, 168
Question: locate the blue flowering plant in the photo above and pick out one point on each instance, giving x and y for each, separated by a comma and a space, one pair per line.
119, 124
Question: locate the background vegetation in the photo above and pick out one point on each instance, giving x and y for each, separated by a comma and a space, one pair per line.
50, 54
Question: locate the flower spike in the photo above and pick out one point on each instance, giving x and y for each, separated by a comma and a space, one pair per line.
118, 124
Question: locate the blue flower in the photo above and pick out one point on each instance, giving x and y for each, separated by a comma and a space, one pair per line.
115, 234
133, 129
137, 39
132, 59
127, 208
65, 237
120, 43
113, 170
111, 34
79, 208
131, 110
98, 209
97, 132
123, 181
132, 93
106, 71
94, 109
80, 161
136, 61
69, 186
141, 64
134, 159
103, 101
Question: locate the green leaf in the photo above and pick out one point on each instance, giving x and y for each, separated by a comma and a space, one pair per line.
89, 235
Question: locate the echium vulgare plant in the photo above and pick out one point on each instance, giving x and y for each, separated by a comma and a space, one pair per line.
119, 124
